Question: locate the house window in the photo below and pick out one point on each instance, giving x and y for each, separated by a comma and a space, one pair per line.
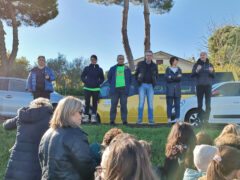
159, 61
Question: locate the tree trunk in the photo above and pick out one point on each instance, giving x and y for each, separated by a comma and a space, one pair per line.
125, 41
5, 61
3, 51
15, 38
147, 45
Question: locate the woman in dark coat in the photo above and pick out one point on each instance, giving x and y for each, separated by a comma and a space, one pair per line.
31, 123
173, 77
64, 152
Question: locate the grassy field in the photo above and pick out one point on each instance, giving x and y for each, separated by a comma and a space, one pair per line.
157, 136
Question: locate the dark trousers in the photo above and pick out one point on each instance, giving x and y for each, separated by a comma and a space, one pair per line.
119, 93
204, 90
43, 94
170, 105
88, 94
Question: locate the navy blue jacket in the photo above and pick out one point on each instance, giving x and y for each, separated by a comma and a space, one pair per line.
112, 79
32, 79
173, 85
204, 76
92, 76
31, 124
64, 154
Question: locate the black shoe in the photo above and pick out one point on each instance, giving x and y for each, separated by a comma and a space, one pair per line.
112, 124
125, 123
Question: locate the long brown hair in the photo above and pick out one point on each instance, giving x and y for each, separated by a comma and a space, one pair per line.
128, 160
228, 161
181, 140
229, 129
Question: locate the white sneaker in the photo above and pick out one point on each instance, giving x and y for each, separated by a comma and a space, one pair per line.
93, 118
171, 121
85, 118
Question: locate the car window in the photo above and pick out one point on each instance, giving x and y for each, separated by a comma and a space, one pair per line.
104, 92
231, 89
17, 85
4, 84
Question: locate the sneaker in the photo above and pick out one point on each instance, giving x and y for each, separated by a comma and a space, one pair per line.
151, 122
93, 118
85, 118
139, 122
125, 123
172, 121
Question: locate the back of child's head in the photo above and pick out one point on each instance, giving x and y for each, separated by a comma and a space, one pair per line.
225, 164
203, 155
147, 146
229, 129
110, 135
229, 140
127, 159
204, 138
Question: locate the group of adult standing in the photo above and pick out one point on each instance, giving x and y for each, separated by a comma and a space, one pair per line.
146, 74
120, 79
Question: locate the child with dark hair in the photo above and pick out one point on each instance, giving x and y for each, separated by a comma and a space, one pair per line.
204, 138
179, 151
98, 148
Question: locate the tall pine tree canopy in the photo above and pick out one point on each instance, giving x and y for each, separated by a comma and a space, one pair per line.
157, 6
28, 12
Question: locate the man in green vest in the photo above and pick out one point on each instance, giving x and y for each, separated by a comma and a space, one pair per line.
119, 77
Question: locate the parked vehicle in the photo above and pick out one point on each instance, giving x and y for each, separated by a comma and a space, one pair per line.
13, 95
225, 105
159, 103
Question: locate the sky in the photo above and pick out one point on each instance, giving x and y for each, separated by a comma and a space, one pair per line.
82, 29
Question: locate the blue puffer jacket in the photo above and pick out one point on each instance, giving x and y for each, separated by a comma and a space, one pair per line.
32, 79
191, 174
31, 124
112, 79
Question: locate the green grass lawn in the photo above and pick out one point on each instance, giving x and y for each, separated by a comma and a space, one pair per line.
157, 136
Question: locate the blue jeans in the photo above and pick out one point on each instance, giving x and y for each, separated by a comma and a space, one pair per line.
145, 90
119, 93
170, 106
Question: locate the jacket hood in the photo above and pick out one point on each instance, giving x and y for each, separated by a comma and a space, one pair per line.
30, 115
200, 62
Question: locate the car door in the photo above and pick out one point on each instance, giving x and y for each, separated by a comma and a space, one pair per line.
3, 95
16, 96
226, 104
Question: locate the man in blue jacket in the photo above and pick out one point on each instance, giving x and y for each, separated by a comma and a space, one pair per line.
204, 71
40, 80
119, 77
92, 77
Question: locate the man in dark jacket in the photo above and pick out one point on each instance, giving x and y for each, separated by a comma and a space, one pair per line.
203, 70
31, 124
119, 77
146, 76
40, 80
92, 77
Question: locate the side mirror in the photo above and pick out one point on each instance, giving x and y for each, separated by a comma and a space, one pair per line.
215, 93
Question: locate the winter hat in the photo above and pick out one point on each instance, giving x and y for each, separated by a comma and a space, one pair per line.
203, 154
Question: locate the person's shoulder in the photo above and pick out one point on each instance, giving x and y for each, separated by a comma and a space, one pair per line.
34, 69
